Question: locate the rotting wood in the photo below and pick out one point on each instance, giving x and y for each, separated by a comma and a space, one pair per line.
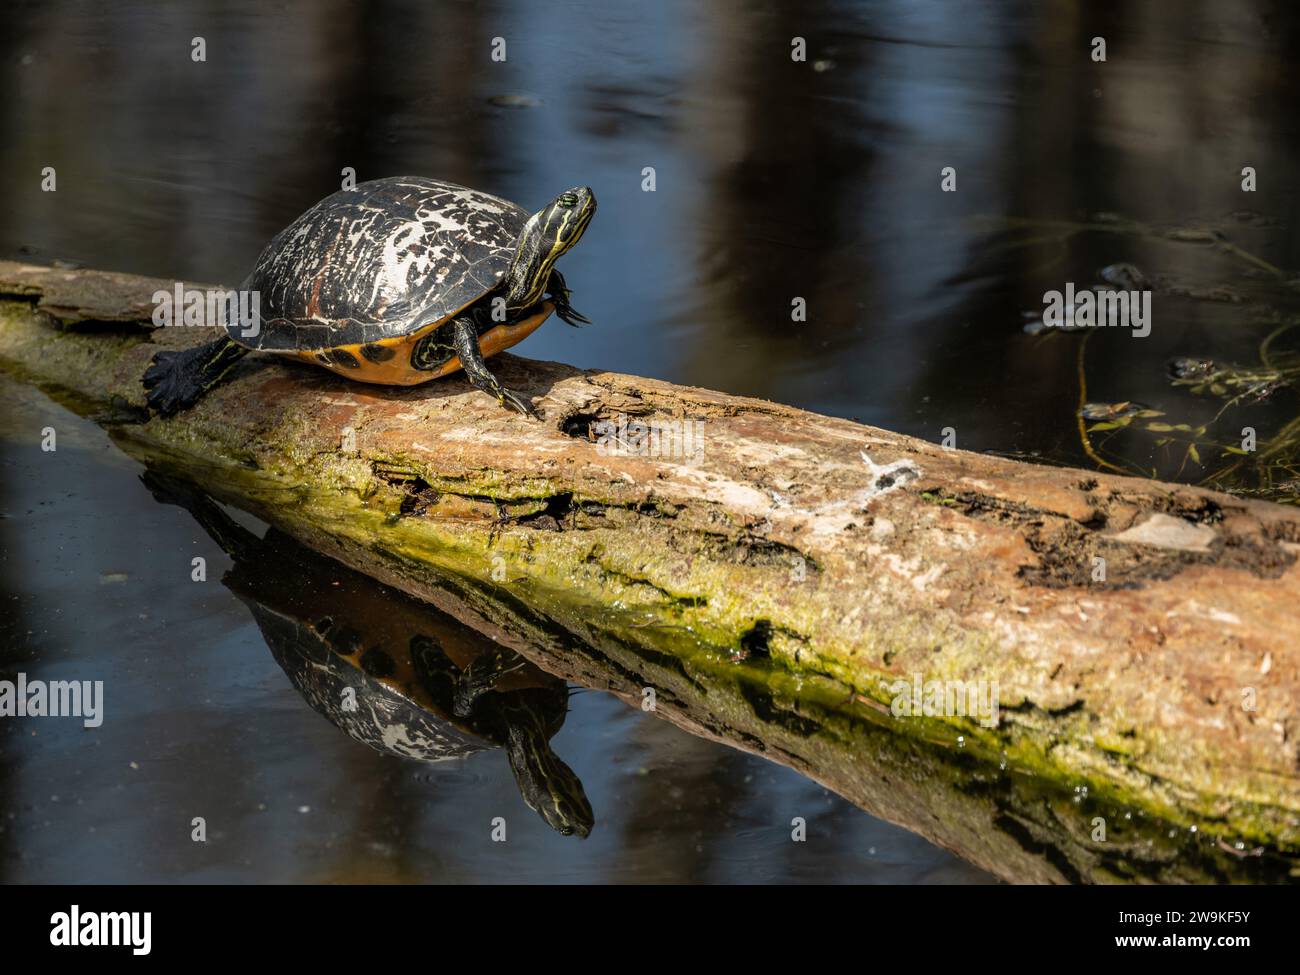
1018, 827
832, 548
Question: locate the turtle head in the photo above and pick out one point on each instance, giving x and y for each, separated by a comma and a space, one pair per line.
546, 237
550, 787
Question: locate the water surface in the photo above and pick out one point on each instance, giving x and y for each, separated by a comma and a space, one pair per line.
199, 720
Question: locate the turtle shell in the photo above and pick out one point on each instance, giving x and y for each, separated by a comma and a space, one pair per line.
331, 628
381, 715
379, 261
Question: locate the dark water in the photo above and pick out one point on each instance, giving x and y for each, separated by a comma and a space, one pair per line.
774, 180
200, 720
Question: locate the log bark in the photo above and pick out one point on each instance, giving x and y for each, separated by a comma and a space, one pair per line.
839, 555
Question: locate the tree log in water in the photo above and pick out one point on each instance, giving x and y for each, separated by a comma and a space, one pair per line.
1141, 639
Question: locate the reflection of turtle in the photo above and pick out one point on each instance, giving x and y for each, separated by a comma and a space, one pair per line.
391, 672
397, 281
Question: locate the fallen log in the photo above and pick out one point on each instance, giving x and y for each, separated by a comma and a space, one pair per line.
1015, 826
1138, 638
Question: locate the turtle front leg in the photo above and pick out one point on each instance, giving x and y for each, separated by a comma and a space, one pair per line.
481, 676
464, 338
559, 293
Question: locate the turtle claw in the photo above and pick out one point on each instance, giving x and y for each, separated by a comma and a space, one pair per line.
566, 312
559, 295
512, 401
176, 379
570, 315
170, 383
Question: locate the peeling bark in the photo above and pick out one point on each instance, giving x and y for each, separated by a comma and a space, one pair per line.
833, 549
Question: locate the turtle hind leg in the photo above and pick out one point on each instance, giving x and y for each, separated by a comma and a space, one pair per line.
176, 379
559, 293
465, 340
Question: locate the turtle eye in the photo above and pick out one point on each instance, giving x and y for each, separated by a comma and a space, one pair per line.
568, 200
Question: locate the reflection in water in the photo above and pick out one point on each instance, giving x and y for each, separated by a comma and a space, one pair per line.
201, 719
390, 673
454, 691
96, 578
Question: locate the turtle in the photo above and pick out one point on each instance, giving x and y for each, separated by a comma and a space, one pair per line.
391, 672
396, 281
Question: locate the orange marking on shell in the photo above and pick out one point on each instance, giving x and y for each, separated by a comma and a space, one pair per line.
313, 303
397, 371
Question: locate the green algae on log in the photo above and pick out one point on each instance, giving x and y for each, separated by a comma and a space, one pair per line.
1167, 682
1019, 827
